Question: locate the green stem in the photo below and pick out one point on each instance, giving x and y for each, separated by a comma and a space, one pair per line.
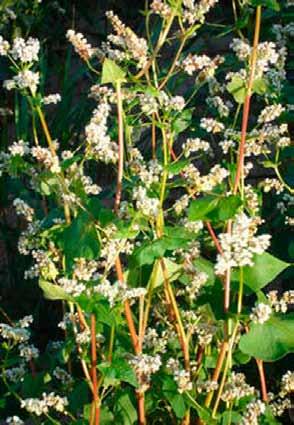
111, 343
241, 290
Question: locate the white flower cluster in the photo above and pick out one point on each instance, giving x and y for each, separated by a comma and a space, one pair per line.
25, 51
71, 286
80, 44
28, 352
99, 143
63, 376
252, 200
148, 206
211, 125
45, 156
202, 64
134, 46
254, 409
240, 245
194, 145
161, 8
22, 208
42, 406
206, 386
236, 388
217, 102
266, 54
147, 172
4, 46
15, 374
181, 204
181, 376
83, 269
278, 407
270, 113
13, 333
195, 12
287, 383
280, 305
261, 313
150, 104
14, 420
194, 286
118, 292
52, 99
204, 183
90, 187
272, 184
154, 341
25, 79
144, 366
20, 148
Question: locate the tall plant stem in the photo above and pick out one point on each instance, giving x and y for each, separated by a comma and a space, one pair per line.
217, 370
118, 264
246, 107
180, 328
94, 370
53, 152
262, 379
120, 168
127, 308
241, 154
174, 63
160, 42
226, 368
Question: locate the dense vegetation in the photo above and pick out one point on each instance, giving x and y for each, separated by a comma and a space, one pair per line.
146, 173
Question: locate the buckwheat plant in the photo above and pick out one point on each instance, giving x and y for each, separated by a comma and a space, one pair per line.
162, 274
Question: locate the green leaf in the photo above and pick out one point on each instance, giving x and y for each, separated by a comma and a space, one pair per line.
177, 166
125, 411
199, 208
271, 340
266, 268
150, 251
80, 239
207, 267
79, 398
271, 4
260, 86
111, 72
118, 371
230, 417
70, 161
173, 272
182, 121
226, 208
237, 88
53, 292
176, 400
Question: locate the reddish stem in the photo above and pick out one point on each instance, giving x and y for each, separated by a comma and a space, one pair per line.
213, 237
262, 379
